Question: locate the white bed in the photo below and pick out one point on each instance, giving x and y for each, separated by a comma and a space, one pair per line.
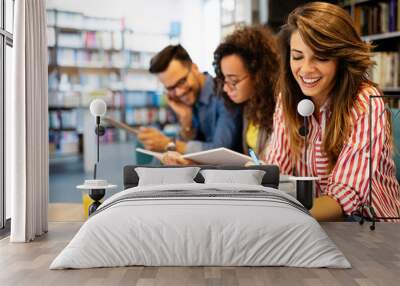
224, 225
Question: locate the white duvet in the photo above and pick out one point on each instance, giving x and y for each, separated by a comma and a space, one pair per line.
183, 231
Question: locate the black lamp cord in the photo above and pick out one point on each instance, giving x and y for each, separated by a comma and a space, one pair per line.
305, 142
98, 137
98, 143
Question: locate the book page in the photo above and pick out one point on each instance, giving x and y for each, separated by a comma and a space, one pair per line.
219, 156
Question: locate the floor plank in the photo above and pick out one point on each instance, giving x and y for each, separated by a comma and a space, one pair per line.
375, 257
66, 212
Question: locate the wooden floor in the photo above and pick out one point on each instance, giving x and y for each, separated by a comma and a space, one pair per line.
66, 212
375, 257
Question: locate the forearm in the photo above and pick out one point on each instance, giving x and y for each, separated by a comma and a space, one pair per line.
187, 130
326, 208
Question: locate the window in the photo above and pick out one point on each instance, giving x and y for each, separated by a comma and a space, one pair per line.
6, 43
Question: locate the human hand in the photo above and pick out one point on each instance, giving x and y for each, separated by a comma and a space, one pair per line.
174, 158
252, 163
153, 139
183, 111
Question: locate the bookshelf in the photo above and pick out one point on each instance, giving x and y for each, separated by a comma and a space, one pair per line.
92, 57
378, 22
382, 36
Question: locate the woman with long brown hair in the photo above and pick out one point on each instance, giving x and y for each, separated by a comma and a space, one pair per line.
325, 60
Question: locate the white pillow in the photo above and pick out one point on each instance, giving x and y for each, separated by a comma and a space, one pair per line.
248, 177
166, 176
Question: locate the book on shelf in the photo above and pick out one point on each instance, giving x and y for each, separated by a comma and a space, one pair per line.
69, 40
79, 21
69, 57
116, 123
143, 98
392, 15
68, 19
101, 40
63, 119
386, 70
135, 80
142, 116
110, 136
104, 24
51, 17
63, 143
51, 37
377, 17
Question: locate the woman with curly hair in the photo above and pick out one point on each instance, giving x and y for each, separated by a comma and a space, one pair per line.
325, 60
246, 65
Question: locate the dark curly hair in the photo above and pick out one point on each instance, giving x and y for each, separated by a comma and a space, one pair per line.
257, 47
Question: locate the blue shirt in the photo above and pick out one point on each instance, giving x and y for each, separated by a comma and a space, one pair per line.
215, 125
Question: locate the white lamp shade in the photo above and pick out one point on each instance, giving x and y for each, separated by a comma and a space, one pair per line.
305, 107
98, 107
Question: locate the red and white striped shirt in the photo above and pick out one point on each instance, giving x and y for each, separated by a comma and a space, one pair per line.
348, 182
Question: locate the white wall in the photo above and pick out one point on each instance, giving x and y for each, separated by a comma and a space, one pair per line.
199, 18
212, 32
192, 37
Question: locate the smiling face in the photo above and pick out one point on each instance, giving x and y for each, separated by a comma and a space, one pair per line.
180, 82
238, 84
315, 75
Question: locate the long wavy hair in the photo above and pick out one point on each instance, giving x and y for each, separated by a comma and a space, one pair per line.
329, 31
257, 47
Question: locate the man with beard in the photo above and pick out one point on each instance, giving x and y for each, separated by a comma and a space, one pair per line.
205, 122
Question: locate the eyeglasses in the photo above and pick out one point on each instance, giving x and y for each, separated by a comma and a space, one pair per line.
179, 84
232, 84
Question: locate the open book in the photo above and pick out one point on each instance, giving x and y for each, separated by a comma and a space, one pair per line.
218, 156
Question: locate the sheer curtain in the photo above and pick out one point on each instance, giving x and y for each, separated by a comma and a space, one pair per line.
27, 123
